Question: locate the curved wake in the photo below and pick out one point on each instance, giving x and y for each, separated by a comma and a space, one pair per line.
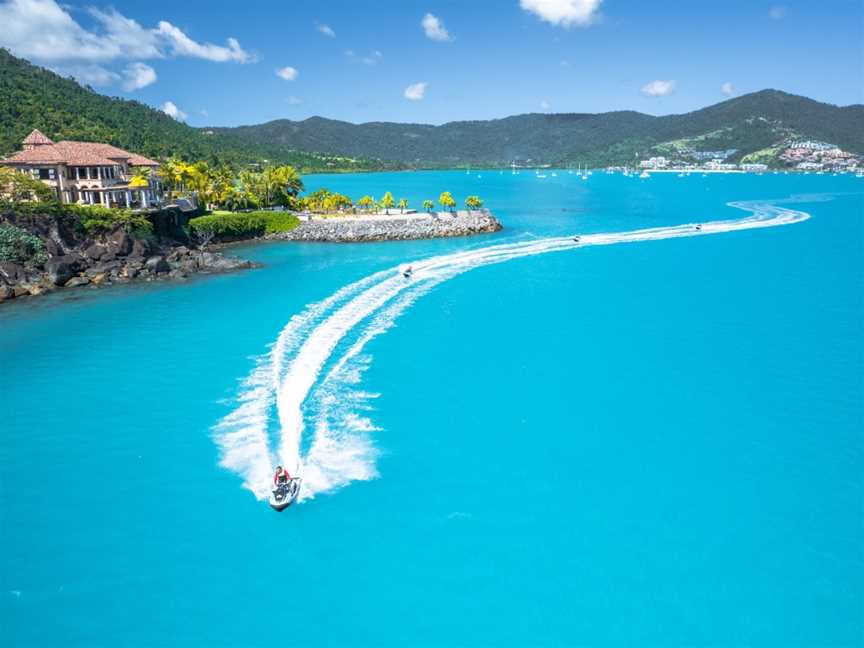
310, 374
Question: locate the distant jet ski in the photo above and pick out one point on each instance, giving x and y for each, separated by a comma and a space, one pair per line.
576, 239
698, 227
407, 271
284, 495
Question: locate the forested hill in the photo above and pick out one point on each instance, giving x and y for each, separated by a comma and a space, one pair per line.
748, 123
752, 126
33, 97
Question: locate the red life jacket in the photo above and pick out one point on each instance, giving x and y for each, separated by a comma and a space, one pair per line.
278, 474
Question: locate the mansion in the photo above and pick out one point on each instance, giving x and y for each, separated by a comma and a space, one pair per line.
89, 173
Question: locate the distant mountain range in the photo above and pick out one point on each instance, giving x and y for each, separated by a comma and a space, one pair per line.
751, 127
747, 124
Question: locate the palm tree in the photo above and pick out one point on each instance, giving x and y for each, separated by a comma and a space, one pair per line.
281, 185
140, 178
172, 173
387, 202
429, 205
201, 181
446, 201
141, 181
366, 202
473, 202
403, 204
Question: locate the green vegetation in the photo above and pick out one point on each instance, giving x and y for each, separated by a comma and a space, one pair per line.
324, 201
219, 186
16, 187
747, 123
428, 205
225, 226
446, 201
33, 97
92, 219
473, 202
762, 156
19, 246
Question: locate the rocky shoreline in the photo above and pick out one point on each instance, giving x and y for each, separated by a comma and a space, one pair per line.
111, 258
345, 229
117, 257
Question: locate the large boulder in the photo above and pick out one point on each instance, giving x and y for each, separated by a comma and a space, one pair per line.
120, 243
11, 272
96, 252
140, 247
157, 265
61, 269
102, 268
77, 281
6, 292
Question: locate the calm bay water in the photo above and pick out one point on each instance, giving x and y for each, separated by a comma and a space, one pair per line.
657, 443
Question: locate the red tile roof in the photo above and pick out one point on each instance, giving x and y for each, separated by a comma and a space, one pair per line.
76, 154
36, 137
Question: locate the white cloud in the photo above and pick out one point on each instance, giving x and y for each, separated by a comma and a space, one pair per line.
137, 76
563, 13
658, 88
777, 12
416, 91
182, 45
325, 29
373, 58
434, 28
44, 31
727, 89
288, 73
170, 109
294, 101
89, 74
544, 105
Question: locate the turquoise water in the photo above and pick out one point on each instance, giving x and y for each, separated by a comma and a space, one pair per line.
652, 443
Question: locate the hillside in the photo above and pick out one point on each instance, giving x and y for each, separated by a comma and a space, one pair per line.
33, 97
751, 126
748, 123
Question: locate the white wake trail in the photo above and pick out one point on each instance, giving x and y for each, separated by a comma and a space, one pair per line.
290, 376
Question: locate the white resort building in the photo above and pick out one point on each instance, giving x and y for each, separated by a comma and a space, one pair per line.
88, 173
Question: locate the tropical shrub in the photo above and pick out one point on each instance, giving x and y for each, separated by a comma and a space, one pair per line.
240, 225
96, 220
16, 186
19, 246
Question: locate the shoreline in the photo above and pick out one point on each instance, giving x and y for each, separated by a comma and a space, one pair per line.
119, 258
363, 228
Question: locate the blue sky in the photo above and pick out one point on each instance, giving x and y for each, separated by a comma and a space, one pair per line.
389, 60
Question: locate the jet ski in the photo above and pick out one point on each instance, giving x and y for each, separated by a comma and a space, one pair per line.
577, 239
284, 494
698, 227
407, 271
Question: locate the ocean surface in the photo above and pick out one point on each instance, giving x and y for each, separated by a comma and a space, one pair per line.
646, 438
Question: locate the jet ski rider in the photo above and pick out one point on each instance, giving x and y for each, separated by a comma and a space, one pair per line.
281, 476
